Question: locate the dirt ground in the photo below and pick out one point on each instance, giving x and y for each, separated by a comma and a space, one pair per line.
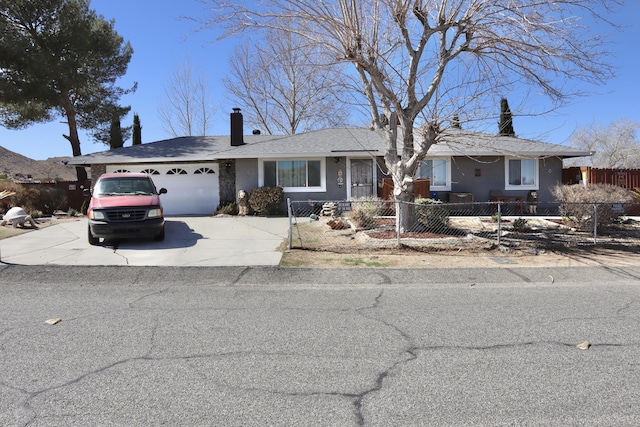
320, 239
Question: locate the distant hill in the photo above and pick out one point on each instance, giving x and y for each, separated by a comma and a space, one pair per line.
18, 167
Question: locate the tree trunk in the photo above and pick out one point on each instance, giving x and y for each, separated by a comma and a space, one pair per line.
404, 209
73, 137
403, 167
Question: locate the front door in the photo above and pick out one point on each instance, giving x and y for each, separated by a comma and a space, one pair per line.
361, 178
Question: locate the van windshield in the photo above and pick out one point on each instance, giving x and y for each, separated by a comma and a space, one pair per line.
124, 186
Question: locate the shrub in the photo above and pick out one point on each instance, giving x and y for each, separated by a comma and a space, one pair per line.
577, 203
33, 198
520, 225
431, 213
11, 201
85, 205
364, 212
227, 208
266, 200
50, 199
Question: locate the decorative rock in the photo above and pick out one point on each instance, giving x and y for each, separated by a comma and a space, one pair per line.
329, 209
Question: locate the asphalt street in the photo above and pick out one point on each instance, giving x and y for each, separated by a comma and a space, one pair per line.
358, 347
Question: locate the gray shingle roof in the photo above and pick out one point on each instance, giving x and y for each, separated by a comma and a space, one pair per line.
460, 142
321, 143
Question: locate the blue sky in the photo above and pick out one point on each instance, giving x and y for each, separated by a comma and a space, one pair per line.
162, 42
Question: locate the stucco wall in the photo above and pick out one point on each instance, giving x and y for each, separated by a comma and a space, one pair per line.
246, 174
491, 170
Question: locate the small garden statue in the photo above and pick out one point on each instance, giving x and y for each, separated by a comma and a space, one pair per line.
243, 203
17, 216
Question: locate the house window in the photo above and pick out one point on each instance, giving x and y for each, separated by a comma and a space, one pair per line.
521, 174
121, 171
177, 171
151, 172
293, 175
202, 171
438, 171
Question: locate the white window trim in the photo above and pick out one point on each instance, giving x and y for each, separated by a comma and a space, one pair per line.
323, 175
446, 187
536, 174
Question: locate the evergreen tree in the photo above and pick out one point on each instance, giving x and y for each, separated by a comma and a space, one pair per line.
137, 130
59, 59
505, 127
115, 134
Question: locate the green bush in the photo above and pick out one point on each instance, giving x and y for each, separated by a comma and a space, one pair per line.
364, 212
433, 214
266, 200
577, 203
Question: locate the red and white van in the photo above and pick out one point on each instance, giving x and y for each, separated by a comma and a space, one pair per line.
123, 206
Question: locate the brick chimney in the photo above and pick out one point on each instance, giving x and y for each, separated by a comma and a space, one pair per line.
236, 128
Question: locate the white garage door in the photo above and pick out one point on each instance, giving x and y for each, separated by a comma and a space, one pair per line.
192, 189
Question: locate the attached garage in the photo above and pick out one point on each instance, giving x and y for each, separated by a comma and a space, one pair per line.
192, 188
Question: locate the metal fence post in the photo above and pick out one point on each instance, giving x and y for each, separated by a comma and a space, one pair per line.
499, 221
289, 211
595, 223
398, 221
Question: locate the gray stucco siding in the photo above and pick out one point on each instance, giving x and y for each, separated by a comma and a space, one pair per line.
491, 170
246, 174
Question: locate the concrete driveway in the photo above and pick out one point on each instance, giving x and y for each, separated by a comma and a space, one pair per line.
189, 241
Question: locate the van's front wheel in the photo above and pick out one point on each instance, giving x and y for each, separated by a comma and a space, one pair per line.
159, 237
92, 239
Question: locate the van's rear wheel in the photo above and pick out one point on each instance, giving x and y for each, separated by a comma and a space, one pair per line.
92, 239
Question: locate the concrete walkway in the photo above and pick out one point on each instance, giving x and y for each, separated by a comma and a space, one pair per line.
189, 241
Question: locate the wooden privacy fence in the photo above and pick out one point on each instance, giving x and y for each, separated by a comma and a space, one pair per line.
625, 178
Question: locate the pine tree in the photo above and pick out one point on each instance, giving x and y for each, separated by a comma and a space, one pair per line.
505, 127
115, 134
59, 60
137, 130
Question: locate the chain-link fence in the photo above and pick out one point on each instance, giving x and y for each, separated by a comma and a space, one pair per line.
365, 225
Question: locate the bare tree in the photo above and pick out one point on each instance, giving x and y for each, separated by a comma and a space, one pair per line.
421, 61
187, 109
287, 84
615, 146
